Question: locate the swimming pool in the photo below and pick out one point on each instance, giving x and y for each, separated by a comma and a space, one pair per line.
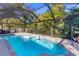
24, 46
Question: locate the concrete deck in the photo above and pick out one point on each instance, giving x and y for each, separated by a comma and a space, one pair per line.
71, 46
5, 49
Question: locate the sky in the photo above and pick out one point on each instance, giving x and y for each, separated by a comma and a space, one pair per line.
34, 6
37, 5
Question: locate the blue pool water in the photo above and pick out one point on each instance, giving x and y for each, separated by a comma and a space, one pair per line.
33, 47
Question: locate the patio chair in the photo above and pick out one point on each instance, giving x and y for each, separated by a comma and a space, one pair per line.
4, 32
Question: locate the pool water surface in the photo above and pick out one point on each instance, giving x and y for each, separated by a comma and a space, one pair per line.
34, 47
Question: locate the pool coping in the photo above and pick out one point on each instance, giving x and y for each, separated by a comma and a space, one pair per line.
6, 49
10, 49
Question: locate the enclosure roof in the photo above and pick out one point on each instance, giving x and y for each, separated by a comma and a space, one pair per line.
19, 10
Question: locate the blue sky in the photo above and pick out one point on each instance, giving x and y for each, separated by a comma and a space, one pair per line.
44, 9
37, 5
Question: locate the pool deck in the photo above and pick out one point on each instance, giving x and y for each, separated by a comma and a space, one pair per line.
57, 40
71, 46
5, 49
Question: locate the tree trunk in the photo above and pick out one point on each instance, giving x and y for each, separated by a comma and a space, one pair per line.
24, 28
51, 31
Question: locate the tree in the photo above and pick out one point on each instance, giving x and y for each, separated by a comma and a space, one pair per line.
72, 22
59, 12
44, 27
